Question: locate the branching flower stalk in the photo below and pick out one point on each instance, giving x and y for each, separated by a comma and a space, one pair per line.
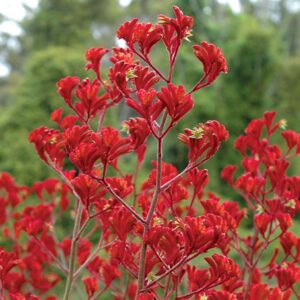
150, 233
71, 268
141, 275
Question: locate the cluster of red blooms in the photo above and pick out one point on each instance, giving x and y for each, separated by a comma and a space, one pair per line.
140, 241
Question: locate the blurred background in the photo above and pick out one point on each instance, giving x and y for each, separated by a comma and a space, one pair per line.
44, 40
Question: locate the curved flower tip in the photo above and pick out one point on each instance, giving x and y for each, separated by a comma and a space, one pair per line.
145, 34
213, 62
94, 56
65, 87
176, 100
228, 173
204, 138
139, 131
126, 31
181, 23
91, 285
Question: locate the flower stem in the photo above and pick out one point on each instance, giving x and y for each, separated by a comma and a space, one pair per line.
141, 275
73, 251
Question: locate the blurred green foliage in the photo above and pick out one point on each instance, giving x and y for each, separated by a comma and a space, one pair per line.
35, 99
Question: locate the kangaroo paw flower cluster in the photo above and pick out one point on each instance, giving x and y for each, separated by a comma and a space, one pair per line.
159, 237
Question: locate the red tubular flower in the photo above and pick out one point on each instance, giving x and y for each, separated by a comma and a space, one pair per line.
292, 191
8, 260
84, 250
94, 56
198, 278
144, 79
182, 24
47, 143
268, 120
18, 296
259, 292
87, 189
124, 253
122, 54
66, 86
173, 197
139, 131
84, 156
65, 245
44, 282
205, 138
49, 185
76, 135
222, 268
277, 294
277, 174
126, 31
199, 180
251, 165
90, 103
292, 140
255, 128
234, 285
122, 222
15, 194
290, 244
167, 243
146, 296
219, 295
35, 219
3, 205
245, 141
177, 102
110, 273
175, 30
54, 188
229, 211
91, 286
250, 185
237, 214
168, 172
199, 235
120, 74
262, 222
285, 221
275, 212
14, 282
145, 34
111, 145
121, 186
228, 173
287, 275
146, 107
95, 265
63, 123
213, 62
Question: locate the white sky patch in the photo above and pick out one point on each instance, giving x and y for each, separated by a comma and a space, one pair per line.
120, 43
14, 11
11, 28
234, 4
4, 70
124, 3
